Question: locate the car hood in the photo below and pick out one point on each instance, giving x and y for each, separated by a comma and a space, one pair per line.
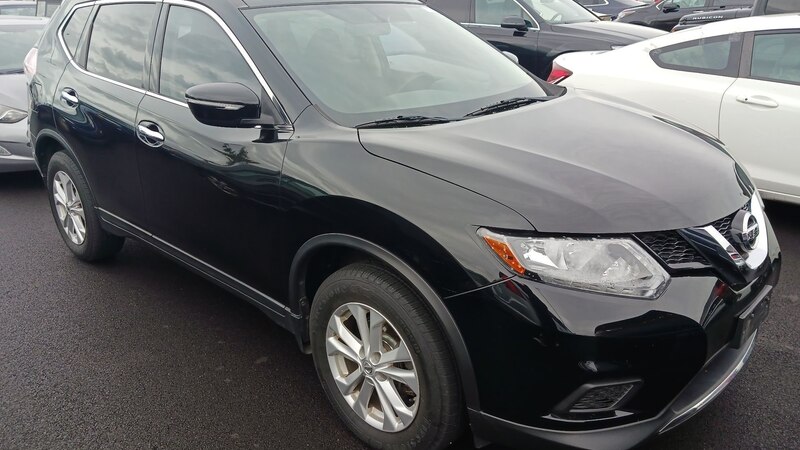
13, 91
613, 32
578, 164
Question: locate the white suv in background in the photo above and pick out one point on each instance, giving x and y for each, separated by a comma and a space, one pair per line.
738, 80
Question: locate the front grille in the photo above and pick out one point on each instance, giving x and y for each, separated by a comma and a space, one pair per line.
671, 247
724, 226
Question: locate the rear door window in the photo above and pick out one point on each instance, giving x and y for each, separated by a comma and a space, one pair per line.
118, 42
776, 57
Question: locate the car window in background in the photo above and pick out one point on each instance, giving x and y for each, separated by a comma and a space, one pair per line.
733, 3
492, 12
15, 42
715, 56
118, 41
368, 62
782, 6
74, 28
776, 57
18, 10
557, 12
197, 51
457, 10
689, 3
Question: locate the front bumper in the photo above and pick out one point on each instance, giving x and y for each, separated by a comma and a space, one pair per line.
16, 154
534, 346
704, 388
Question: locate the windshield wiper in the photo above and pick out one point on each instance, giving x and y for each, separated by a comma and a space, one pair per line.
505, 105
10, 71
404, 121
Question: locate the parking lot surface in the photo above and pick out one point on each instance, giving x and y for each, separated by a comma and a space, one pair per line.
140, 353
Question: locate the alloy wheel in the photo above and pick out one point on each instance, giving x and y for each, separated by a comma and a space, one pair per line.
372, 367
69, 207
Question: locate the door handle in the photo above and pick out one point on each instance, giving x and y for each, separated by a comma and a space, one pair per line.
69, 96
150, 134
758, 100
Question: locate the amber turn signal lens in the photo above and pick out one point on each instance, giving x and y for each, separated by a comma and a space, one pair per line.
504, 252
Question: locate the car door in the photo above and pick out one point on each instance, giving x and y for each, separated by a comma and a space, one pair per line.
97, 96
761, 112
212, 192
667, 19
486, 19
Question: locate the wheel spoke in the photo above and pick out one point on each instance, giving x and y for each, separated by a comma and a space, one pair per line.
376, 332
397, 355
335, 346
361, 406
349, 383
360, 315
59, 194
347, 336
80, 227
405, 376
395, 412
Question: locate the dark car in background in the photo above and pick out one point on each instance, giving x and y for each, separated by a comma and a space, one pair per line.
15, 8
666, 14
610, 7
18, 34
759, 8
418, 211
537, 31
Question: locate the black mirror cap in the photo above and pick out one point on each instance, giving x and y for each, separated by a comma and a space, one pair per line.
230, 105
514, 22
670, 7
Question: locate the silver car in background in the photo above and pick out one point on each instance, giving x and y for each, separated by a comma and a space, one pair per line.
17, 35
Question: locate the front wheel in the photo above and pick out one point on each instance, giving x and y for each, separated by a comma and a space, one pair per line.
384, 362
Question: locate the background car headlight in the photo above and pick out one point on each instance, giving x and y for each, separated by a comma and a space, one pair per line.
11, 115
623, 14
616, 266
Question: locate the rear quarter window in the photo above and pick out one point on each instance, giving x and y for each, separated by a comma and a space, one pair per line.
719, 55
74, 28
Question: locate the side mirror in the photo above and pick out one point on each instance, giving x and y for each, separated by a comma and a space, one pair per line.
670, 7
515, 23
511, 56
230, 105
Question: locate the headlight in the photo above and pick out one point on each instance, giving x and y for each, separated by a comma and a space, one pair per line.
623, 14
616, 266
11, 115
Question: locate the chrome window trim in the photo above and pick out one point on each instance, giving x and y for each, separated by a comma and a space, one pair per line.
537, 28
166, 99
281, 111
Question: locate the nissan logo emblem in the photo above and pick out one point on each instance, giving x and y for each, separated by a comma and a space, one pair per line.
745, 230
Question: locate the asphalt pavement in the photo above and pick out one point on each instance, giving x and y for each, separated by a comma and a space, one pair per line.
140, 353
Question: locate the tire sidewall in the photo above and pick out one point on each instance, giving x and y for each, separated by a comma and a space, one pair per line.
330, 298
61, 162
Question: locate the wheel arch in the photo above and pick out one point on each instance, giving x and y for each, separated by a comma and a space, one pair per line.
354, 246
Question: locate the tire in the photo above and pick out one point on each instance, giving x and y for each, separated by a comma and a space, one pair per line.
438, 407
94, 244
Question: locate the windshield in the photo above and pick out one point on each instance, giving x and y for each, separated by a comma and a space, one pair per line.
557, 12
368, 62
16, 42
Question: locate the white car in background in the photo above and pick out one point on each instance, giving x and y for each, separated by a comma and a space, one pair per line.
738, 80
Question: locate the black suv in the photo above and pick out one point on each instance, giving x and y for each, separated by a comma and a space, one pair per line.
421, 213
538, 31
666, 14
